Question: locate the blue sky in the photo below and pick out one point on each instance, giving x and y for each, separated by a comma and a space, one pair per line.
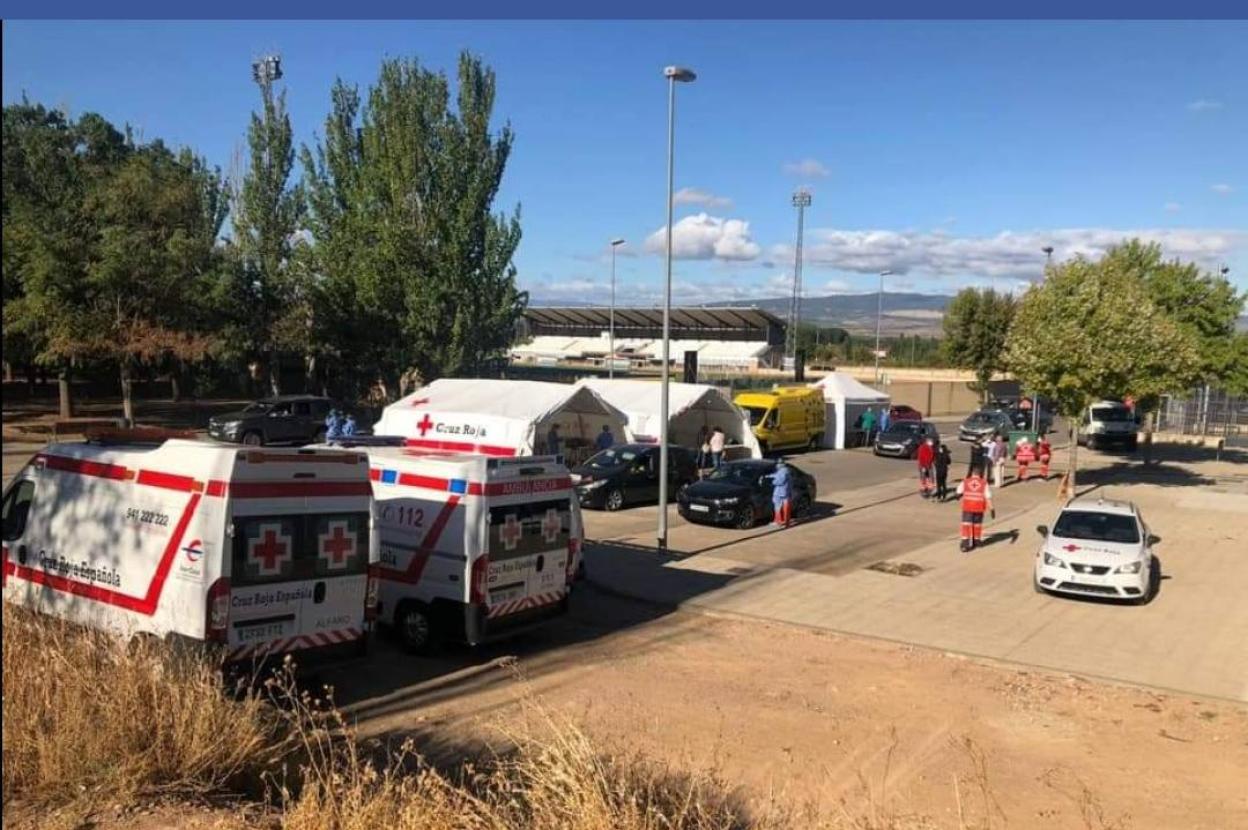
947, 152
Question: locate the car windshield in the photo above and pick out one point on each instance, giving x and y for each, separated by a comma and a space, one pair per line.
983, 418
908, 428
756, 414
258, 408
613, 457
740, 473
1111, 413
1097, 527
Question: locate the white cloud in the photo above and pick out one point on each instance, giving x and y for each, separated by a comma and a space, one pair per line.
838, 287
695, 196
1007, 254
1222, 189
1172, 207
703, 236
1204, 105
807, 168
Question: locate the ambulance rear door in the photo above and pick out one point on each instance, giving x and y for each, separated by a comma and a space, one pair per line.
529, 504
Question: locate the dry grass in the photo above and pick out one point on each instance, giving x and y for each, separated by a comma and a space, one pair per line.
86, 717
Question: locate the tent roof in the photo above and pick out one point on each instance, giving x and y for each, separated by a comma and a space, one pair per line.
522, 400
644, 395
841, 385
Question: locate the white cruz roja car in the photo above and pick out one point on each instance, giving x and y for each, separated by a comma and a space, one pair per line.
1101, 548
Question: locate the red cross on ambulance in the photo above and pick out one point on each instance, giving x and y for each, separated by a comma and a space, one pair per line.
270, 552
551, 526
511, 532
337, 545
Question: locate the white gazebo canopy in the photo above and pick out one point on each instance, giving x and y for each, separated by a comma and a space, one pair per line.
845, 400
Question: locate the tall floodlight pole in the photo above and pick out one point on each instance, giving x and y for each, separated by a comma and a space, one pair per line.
683, 75
1047, 250
801, 201
879, 312
615, 243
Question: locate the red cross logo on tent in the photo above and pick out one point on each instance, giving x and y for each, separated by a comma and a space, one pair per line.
424, 425
337, 544
270, 552
551, 525
511, 532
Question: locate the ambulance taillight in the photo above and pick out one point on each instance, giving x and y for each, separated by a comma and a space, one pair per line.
480, 575
216, 628
371, 593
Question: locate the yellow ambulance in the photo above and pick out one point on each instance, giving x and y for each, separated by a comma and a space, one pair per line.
786, 417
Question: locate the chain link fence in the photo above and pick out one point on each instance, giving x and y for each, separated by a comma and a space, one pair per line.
1206, 411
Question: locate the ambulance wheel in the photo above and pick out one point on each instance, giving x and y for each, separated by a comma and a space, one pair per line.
745, 518
253, 439
414, 626
614, 500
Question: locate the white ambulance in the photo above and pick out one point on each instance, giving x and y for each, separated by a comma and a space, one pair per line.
472, 547
261, 552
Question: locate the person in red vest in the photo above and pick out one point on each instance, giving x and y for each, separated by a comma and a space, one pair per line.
976, 498
1045, 453
926, 457
1024, 454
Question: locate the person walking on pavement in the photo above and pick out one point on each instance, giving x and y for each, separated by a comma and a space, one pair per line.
605, 439
1045, 453
552, 440
943, 460
780, 493
997, 454
886, 419
717, 447
1024, 454
926, 457
704, 452
976, 499
868, 425
979, 455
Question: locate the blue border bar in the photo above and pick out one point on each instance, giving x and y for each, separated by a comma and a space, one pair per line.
631, 10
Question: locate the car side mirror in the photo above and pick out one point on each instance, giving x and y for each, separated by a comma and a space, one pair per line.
1043, 530
1153, 539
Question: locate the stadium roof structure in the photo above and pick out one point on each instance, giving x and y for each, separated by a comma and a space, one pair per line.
736, 323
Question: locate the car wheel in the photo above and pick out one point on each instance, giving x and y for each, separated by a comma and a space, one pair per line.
415, 629
745, 519
614, 500
1154, 584
815, 442
319, 437
801, 507
253, 439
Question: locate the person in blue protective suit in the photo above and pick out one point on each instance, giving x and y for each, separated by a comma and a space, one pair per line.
781, 493
348, 426
333, 425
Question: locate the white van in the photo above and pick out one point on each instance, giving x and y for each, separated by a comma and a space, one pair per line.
260, 552
1108, 424
472, 547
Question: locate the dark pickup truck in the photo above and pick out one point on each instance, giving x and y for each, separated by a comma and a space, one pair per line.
285, 419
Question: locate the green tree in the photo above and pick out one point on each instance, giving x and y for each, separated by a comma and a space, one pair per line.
976, 325
51, 164
266, 214
1092, 331
415, 271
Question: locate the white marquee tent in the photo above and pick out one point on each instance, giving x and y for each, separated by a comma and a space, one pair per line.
691, 406
501, 417
845, 400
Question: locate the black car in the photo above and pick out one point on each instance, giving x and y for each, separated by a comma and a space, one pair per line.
629, 474
903, 438
739, 494
285, 419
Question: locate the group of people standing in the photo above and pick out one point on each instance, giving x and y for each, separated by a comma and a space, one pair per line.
974, 491
339, 425
870, 422
710, 448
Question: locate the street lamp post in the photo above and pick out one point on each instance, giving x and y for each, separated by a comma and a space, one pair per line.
801, 201
879, 312
1047, 250
683, 75
615, 243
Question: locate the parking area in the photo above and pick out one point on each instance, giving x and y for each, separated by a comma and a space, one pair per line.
878, 561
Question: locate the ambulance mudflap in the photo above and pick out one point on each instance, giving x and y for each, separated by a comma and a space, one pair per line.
298, 582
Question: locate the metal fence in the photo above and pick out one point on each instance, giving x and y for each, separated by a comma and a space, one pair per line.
1206, 411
